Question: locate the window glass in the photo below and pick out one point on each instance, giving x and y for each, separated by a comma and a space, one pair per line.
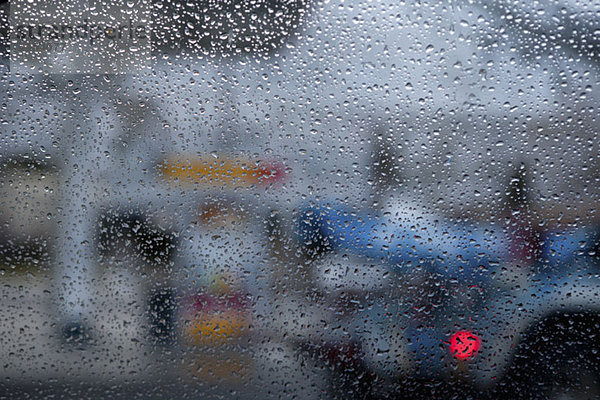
313, 199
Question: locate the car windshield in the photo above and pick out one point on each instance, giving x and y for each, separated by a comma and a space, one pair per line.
312, 199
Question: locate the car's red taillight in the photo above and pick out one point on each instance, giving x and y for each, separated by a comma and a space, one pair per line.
464, 345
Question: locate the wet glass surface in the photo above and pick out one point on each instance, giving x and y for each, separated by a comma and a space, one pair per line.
299, 199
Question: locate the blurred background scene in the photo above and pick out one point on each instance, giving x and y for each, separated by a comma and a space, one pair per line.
299, 199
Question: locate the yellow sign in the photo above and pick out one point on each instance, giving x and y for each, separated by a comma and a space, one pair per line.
221, 172
216, 328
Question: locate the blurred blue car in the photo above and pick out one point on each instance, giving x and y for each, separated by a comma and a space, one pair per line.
465, 305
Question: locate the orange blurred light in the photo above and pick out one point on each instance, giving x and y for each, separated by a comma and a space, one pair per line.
221, 172
213, 329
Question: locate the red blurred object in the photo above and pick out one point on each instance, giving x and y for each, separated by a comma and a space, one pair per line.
464, 345
525, 247
271, 172
209, 303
